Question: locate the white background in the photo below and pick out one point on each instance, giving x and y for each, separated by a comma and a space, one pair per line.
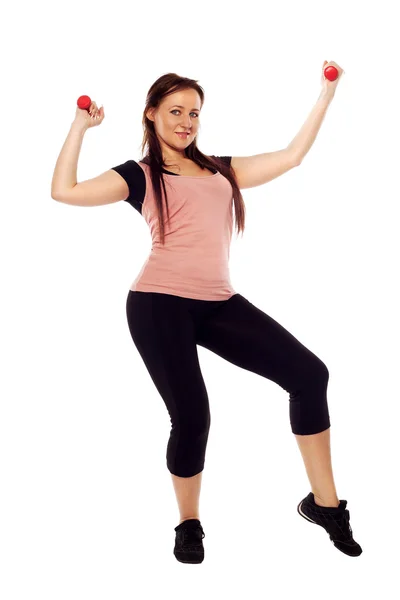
87, 506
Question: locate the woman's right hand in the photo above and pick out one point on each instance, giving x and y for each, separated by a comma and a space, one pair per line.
89, 118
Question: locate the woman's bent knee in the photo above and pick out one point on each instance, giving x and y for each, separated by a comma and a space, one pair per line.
308, 404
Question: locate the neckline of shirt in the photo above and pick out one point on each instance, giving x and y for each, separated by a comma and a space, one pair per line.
166, 172
190, 176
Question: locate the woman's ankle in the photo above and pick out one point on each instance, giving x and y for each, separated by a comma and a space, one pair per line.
187, 518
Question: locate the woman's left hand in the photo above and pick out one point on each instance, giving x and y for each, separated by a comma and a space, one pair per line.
329, 87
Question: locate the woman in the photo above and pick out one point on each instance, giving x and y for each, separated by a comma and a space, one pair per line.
183, 296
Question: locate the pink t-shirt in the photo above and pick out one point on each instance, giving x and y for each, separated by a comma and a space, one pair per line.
193, 262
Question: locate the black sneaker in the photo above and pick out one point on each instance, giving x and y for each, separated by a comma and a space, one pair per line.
336, 521
188, 542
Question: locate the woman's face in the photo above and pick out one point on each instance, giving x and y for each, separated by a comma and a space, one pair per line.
178, 112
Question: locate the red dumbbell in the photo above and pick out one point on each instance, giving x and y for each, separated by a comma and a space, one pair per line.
84, 102
331, 73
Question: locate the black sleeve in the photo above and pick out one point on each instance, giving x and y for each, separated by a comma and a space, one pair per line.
136, 180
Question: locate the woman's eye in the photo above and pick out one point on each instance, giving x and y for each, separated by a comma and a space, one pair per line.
176, 110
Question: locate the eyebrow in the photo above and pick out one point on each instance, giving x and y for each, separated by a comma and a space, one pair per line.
179, 106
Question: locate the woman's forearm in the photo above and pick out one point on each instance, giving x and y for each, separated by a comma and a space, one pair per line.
64, 177
303, 141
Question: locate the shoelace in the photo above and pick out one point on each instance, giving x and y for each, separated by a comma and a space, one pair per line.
347, 521
342, 527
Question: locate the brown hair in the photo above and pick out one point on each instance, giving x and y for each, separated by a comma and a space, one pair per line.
165, 85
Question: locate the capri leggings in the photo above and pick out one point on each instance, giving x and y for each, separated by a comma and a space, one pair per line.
166, 330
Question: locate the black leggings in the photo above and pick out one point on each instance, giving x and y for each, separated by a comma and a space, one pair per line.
166, 328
